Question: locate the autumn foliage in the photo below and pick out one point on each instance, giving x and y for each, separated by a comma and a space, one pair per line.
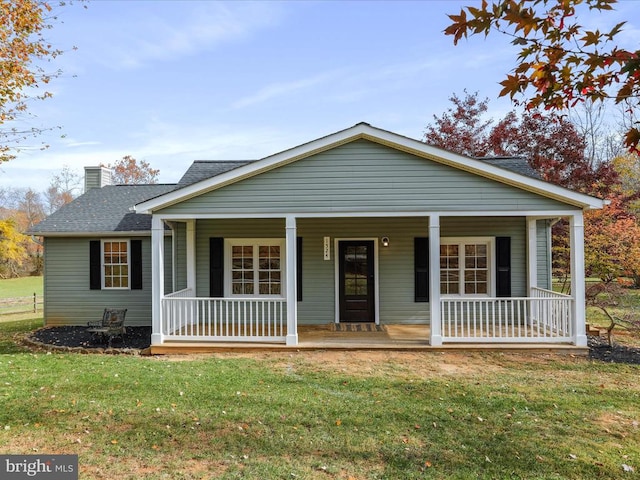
13, 249
550, 143
24, 53
612, 243
560, 63
129, 171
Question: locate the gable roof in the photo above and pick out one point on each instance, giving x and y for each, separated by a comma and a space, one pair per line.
486, 168
103, 210
204, 169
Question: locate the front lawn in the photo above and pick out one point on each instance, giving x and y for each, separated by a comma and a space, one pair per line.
322, 415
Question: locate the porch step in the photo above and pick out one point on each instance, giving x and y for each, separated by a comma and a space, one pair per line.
593, 331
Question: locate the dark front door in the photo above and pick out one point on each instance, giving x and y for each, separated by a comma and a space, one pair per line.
356, 278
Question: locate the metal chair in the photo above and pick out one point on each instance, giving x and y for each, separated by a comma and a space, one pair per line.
111, 325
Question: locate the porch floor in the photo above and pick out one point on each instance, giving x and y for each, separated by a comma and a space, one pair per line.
393, 337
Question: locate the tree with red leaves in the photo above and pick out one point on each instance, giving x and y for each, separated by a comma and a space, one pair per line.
551, 144
462, 129
554, 148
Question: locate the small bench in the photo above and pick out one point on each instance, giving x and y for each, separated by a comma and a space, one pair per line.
111, 325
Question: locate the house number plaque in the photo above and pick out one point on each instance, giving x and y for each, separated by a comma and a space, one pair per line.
327, 248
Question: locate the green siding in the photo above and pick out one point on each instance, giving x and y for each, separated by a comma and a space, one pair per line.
544, 253
396, 274
179, 282
363, 175
205, 229
68, 299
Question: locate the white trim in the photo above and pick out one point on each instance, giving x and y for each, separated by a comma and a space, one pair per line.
102, 264
291, 281
491, 269
576, 240
255, 242
435, 338
541, 214
376, 275
174, 254
119, 234
157, 279
383, 137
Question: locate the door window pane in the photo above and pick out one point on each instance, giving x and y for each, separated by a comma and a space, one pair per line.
355, 271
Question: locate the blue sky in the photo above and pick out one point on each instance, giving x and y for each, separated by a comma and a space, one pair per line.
170, 82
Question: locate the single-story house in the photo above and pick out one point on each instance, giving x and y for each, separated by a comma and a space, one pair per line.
362, 225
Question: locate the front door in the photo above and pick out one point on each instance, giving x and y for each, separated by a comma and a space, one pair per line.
356, 281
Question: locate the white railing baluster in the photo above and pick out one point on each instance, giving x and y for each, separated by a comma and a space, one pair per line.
186, 317
545, 317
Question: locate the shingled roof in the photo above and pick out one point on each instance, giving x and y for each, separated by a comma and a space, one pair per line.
101, 210
203, 169
514, 164
109, 209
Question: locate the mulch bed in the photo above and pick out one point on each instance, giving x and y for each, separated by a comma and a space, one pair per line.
599, 349
73, 338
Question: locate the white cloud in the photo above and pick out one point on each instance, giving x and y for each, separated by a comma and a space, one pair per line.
174, 32
276, 90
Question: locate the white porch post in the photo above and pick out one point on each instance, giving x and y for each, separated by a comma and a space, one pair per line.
292, 297
434, 280
191, 255
157, 275
576, 232
532, 254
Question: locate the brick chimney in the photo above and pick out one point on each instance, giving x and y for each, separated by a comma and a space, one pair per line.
96, 177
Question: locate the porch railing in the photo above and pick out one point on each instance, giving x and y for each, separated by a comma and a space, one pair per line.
545, 317
189, 318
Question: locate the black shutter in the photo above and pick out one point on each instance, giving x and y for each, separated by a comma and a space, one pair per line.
299, 268
216, 267
95, 277
136, 264
421, 266
503, 266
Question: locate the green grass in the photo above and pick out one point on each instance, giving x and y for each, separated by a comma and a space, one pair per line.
322, 415
20, 287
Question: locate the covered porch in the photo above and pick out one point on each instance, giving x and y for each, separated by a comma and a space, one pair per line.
404, 338
539, 318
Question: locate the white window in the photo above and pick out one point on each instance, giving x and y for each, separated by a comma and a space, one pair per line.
466, 266
255, 267
115, 264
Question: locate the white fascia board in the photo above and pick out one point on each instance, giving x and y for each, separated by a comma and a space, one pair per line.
539, 214
383, 137
137, 233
